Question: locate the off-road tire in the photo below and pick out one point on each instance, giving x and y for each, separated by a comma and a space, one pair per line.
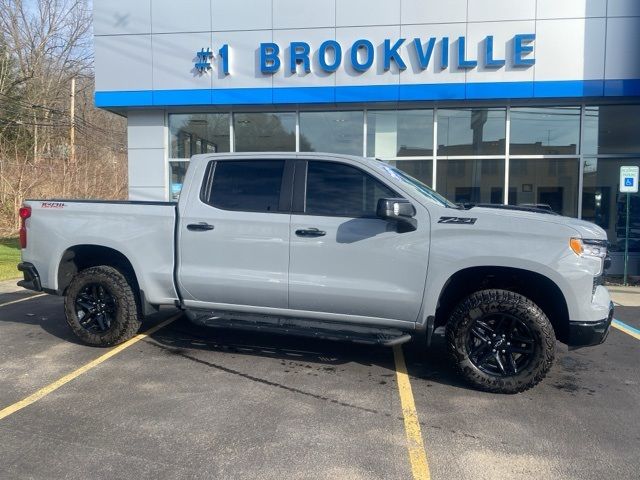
487, 302
126, 321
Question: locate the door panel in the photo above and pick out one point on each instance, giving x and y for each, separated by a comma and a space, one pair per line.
361, 265
244, 258
242, 261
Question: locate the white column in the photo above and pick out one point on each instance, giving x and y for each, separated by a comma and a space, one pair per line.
507, 159
581, 160
365, 127
232, 133
147, 155
435, 148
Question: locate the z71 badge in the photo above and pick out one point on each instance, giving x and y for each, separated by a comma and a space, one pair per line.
458, 220
52, 205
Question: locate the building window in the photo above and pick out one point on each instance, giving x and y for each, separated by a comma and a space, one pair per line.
471, 181
545, 131
612, 129
399, 133
177, 171
333, 132
548, 183
191, 134
604, 205
265, 132
478, 135
419, 169
478, 131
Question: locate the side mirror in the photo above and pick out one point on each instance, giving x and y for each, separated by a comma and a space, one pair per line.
399, 210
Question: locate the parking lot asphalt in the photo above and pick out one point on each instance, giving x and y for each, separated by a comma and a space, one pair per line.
192, 402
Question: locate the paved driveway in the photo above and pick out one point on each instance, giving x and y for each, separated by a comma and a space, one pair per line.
189, 402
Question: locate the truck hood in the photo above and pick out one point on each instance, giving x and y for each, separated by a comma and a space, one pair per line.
582, 228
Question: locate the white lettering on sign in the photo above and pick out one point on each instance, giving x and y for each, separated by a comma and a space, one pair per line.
629, 179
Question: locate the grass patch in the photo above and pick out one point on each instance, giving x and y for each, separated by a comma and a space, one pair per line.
9, 258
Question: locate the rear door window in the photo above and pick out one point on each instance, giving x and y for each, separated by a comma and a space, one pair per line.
247, 185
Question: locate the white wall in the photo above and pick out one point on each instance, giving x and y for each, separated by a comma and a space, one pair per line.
147, 146
147, 45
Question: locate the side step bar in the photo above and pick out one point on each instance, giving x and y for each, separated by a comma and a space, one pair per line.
304, 328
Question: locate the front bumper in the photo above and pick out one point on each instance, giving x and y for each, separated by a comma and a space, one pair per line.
31, 277
586, 334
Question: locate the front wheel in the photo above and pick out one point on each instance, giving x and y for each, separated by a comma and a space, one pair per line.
500, 341
101, 307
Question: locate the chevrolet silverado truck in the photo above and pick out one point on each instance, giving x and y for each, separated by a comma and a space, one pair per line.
328, 246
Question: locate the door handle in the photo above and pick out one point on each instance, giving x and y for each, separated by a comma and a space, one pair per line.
199, 227
310, 232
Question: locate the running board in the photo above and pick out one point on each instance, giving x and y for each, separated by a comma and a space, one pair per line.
304, 328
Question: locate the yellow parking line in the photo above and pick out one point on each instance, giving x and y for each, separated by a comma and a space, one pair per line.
22, 299
623, 327
43, 392
417, 455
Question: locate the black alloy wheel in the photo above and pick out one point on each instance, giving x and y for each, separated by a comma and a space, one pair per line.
500, 341
96, 308
500, 344
102, 306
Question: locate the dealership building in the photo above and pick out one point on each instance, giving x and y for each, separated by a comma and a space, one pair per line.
502, 101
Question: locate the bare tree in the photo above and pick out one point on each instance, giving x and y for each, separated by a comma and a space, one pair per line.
43, 45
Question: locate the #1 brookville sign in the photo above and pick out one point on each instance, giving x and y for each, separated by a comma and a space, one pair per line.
362, 55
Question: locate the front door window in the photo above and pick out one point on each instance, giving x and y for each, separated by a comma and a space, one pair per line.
334, 189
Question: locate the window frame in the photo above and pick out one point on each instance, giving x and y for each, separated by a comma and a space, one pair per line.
299, 205
286, 187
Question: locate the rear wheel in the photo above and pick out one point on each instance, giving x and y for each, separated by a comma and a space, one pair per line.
500, 341
101, 307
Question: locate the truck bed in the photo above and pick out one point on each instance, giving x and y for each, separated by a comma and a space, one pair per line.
142, 231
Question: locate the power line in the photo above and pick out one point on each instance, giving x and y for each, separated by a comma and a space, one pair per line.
92, 126
20, 123
33, 105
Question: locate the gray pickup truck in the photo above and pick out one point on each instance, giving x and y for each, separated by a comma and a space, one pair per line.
333, 247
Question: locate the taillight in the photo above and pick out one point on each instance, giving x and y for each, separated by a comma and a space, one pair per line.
25, 212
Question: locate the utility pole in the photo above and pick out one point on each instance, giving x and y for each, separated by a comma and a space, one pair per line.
35, 137
72, 121
68, 165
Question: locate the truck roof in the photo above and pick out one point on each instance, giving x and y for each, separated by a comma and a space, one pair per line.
283, 155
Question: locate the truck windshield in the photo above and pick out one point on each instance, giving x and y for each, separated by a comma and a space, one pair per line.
419, 187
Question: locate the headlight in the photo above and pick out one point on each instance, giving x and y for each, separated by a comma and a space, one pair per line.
589, 248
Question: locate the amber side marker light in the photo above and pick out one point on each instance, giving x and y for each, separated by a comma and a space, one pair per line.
576, 246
